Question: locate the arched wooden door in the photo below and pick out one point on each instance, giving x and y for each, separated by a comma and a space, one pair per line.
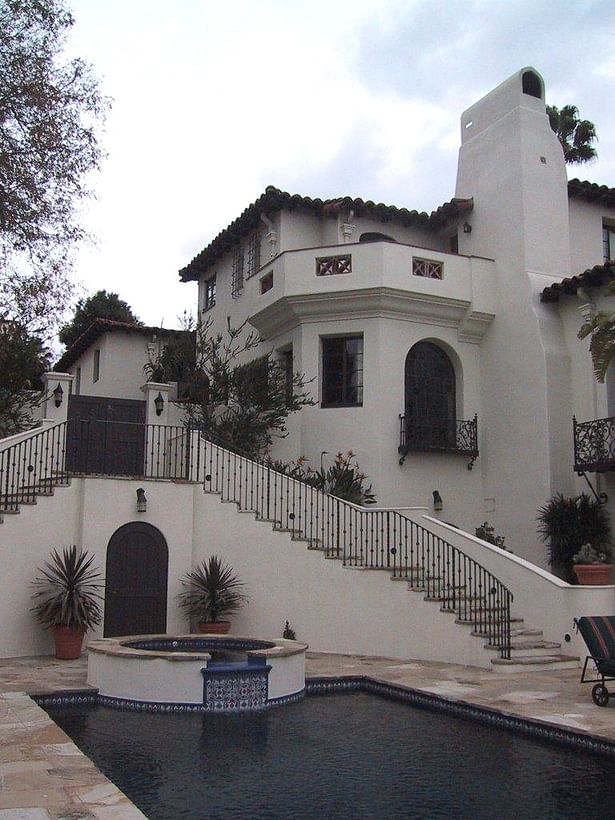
136, 581
430, 398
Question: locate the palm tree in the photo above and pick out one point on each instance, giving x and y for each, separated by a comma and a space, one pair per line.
575, 135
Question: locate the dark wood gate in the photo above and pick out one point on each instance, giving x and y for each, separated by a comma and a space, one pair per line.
105, 436
136, 581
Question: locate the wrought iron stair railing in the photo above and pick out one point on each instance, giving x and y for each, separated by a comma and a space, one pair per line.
358, 536
362, 537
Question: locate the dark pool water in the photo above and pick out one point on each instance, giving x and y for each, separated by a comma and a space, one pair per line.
342, 756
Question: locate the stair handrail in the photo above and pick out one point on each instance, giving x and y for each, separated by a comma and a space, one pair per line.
360, 536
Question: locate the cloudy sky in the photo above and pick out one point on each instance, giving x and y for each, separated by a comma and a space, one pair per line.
213, 101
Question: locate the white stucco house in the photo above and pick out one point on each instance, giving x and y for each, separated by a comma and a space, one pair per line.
444, 338
443, 352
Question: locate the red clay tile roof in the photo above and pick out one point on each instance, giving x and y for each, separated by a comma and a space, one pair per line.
592, 192
275, 200
591, 278
97, 329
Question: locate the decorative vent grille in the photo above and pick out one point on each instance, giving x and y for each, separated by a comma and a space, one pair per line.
428, 268
237, 281
333, 265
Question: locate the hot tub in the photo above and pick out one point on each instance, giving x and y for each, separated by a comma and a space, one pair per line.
213, 673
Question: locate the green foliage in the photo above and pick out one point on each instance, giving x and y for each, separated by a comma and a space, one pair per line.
23, 360
289, 634
100, 305
342, 479
575, 135
211, 591
566, 524
175, 361
242, 403
601, 327
68, 590
590, 555
50, 112
487, 533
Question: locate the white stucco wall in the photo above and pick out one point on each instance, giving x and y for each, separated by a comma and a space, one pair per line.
332, 608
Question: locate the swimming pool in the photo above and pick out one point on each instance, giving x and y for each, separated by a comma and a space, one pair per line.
349, 755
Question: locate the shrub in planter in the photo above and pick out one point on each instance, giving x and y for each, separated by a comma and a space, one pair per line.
211, 593
593, 566
566, 524
68, 596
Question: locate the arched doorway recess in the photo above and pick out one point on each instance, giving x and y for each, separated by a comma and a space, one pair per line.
136, 581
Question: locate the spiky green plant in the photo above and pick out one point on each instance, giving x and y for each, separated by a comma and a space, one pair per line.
211, 591
68, 590
601, 327
566, 524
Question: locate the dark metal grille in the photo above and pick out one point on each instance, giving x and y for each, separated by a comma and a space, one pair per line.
237, 279
210, 293
254, 254
594, 445
449, 437
333, 265
428, 268
342, 371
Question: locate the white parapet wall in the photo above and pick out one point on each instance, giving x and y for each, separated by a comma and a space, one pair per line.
543, 599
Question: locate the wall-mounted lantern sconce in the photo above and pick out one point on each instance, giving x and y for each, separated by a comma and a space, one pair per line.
141, 500
467, 228
437, 501
58, 395
159, 404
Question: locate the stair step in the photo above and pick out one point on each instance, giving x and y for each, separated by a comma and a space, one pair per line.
529, 648
535, 663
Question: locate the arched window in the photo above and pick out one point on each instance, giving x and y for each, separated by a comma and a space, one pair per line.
430, 399
374, 236
531, 84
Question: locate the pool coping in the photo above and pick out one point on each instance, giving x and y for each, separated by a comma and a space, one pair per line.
322, 685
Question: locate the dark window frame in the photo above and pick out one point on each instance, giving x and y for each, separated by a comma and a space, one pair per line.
96, 366
237, 278
332, 346
210, 293
608, 241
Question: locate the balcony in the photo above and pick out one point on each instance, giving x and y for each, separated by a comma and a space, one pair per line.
594, 445
381, 278
459, 437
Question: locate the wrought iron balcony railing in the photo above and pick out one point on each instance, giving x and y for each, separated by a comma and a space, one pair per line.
594, 445
452, 437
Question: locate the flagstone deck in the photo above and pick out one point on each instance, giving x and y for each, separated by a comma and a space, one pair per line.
43, 776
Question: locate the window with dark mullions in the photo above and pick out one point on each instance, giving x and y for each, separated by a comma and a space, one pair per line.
210, 293
342, 371
608, 242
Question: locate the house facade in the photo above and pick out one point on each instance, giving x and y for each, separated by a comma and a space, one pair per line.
443, 351
434, 355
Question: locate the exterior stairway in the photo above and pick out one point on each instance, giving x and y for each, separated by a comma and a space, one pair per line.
359, 538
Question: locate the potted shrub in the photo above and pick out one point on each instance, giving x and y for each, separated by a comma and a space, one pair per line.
211, 594
566, 524
592, 566
68, 594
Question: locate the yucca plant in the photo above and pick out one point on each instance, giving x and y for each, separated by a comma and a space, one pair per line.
68, 590
211, 591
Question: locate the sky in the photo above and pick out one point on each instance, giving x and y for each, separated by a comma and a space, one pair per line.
214, 100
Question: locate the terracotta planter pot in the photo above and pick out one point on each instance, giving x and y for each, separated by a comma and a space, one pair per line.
593, 574
218, 628
68, 642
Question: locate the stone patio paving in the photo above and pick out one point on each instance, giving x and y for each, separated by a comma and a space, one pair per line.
43, 776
